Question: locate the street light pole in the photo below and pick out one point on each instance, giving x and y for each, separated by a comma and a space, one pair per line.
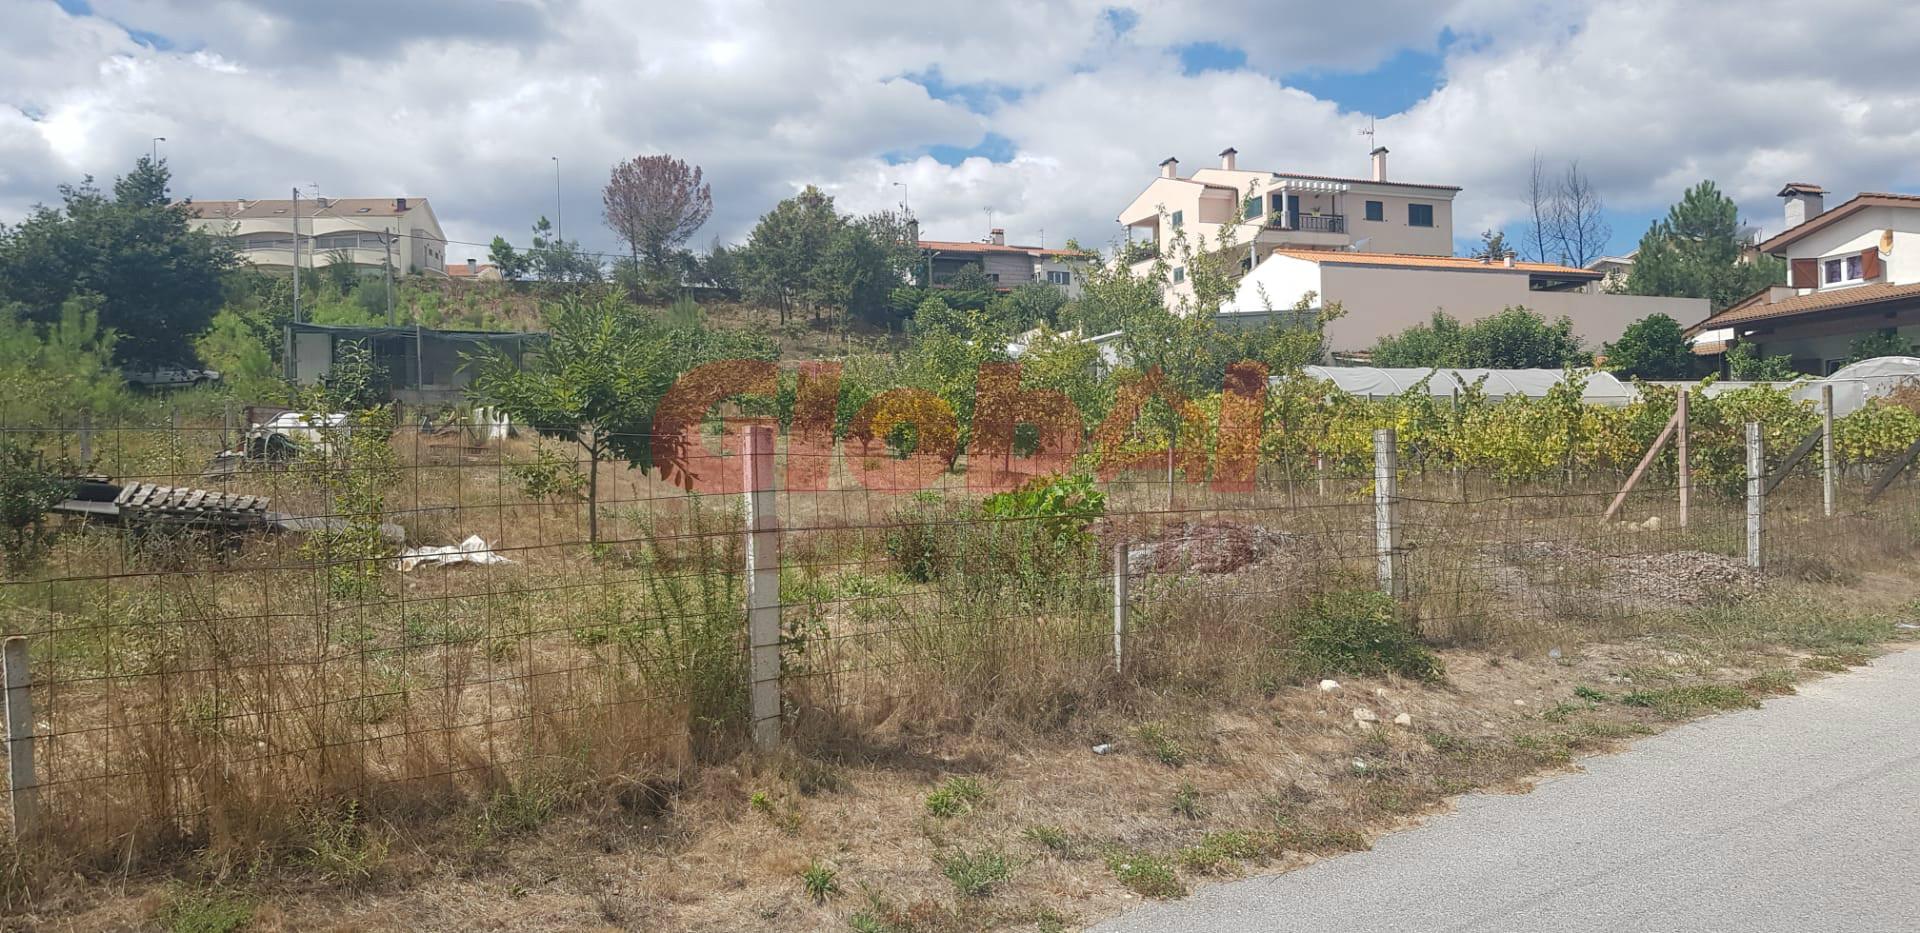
157, 140
904, 204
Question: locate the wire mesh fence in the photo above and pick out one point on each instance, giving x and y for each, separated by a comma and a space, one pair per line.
196, 678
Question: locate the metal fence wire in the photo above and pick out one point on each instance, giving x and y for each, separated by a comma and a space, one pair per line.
420, 616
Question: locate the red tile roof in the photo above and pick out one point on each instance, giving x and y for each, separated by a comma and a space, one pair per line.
1755, 308
1364, 181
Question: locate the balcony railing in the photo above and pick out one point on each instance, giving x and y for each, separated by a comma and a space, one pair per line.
1311, 223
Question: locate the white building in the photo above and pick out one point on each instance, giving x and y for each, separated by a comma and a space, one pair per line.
369, 232
1261, 211
1004, 264
1852, 271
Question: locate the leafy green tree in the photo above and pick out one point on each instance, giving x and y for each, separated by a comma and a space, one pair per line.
552, 259
1493, 245
1696, 252
1029, 305
158, 280
786, 247
1745, 364
600, 376
1515, 338
235, 350
1651, 348
55, 374
512, 264
1878, 344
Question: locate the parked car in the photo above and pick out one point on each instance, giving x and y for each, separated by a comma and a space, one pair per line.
169, 377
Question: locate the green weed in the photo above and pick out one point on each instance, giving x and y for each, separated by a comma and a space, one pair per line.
1355, 632
956, 795
820, 882
976, 873
1146, 874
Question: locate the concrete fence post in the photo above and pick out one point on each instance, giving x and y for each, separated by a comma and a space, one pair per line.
1386, 512
763, 587
22, 786
1683, 467
1756, 494
1826, 449
1120, 599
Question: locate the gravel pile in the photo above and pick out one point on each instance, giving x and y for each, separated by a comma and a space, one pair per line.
1684, 577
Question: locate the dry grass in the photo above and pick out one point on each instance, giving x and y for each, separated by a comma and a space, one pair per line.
558, 742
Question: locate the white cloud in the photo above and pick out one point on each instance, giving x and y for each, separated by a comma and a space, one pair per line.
466, 103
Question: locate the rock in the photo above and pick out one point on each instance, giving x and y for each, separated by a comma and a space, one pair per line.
1329, 685
1363, 714
1365, 726
1651, 524
1380, 691
1519, 702
1404, 719
1359, 764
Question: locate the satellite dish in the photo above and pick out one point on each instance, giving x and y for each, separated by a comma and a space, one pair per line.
1886, 241
1354, 247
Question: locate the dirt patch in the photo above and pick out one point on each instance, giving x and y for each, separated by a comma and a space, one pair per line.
1211, 547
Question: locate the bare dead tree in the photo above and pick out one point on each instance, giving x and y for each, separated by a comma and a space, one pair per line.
1579, 222
1544, 231
655, 203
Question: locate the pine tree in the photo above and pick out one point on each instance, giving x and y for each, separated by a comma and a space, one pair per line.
1695, 252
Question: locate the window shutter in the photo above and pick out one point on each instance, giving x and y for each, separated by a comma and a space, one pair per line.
1869, 264
1805, 274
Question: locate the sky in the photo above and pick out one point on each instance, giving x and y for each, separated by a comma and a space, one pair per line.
1044, 118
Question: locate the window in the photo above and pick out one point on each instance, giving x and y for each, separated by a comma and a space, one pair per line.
993, 277
1376, 210
1254, 207
1059, 278
1419, 215
1179, 274
1179, 217
1841, 269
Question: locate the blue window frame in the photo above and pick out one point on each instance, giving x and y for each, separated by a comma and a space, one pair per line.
1376, 210
1179, 217
1179, 274
1419, 215
1255, 207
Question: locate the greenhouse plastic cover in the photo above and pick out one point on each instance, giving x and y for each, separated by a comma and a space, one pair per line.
1375, 382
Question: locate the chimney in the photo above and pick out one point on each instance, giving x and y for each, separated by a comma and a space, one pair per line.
1507, 260
1170, 168
1227, 161
913, 231
473, 266
1380, 163
1804, 202
399, 204
999, 236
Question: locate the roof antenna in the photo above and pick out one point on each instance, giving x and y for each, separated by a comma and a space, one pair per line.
1368, 133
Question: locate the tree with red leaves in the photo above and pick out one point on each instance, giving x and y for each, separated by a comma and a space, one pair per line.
655, 203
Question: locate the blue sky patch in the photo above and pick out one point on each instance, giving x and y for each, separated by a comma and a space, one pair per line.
993, 147
1200, 57
1120, 19
1395, 85
152, 40
979, 98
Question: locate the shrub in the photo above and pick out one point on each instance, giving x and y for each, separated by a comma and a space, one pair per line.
549, 475
1355, 632
29, 488
205, 912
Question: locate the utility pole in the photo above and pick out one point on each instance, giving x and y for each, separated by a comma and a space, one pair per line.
559, 227
296, 254
904, 205
157, 140
386, 239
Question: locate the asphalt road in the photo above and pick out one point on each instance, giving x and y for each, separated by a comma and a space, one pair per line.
1803, 815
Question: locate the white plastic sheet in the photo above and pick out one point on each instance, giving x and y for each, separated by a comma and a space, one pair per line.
474, 550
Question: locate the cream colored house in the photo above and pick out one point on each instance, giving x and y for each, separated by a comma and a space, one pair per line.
1385, 293
1262, 211
1852, 271
371, 232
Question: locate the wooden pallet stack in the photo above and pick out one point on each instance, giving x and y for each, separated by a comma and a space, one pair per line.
181, 505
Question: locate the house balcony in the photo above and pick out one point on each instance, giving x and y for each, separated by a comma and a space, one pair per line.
1308, 223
